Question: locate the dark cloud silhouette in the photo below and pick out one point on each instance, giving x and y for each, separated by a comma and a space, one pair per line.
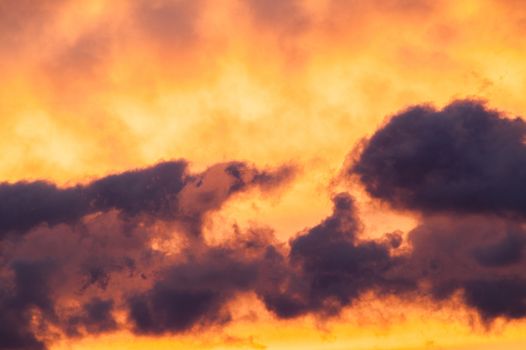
49, 268
107, 259
245, 176
506, 252
326, 269
463, 168
473, 255
504, 297
465, 245
24, 205
330, 267
109, 264
153, 191
490, 297
95, 317
193, 292
29, 289
464, 158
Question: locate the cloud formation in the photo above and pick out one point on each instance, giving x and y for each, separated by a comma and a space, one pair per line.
329, 267
93, 244
194, 292
152, 191
464, 158
103, 244
462, 168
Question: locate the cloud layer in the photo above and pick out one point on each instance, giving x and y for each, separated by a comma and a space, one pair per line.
462, 169
100, 244
93, 244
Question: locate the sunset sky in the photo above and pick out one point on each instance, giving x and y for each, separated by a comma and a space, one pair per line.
262, 174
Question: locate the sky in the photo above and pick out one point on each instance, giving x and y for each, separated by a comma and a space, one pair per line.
258, 174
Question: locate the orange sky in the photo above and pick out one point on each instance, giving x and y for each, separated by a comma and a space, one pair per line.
94, 87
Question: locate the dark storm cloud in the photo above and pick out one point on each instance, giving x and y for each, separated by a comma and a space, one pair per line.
503, 297
330, 267
464, 169
193, 292
95, 317
479, 256
246, 177
151, 191
106, 262
24, 205
464, 158
506, 252
327, 268
456, 162
49, 268
490, 297
465, 245
28, 290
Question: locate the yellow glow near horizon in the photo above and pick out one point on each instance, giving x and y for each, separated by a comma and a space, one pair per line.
372, 324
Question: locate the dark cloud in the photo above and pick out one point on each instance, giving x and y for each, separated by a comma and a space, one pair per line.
330, 267
193, 292
505, 297
95, 317
425, 160
65, 279
24, 205
118, 270
462, 246
29, 289
491, 297
153, 191
326, 269
246, 177
507, 251
481, 257
209, 190
463, 168
464, 158
106, 261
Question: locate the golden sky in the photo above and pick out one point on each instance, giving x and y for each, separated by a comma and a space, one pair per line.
91, 88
